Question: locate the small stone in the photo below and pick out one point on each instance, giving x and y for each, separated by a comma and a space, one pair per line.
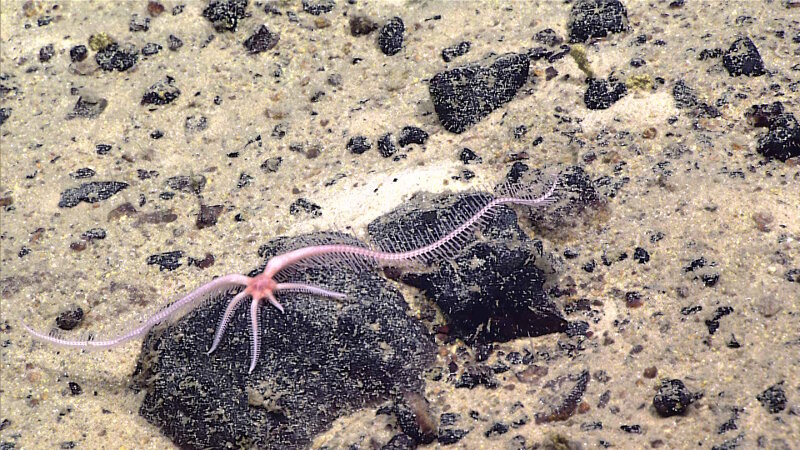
46, 52
601, 94
88, 106
782, 141
596, 18
412, 135
208, 216
386, 146
139, 24
113, 58
548, 37
773, 399
225, 14
174, 42
640, 255
650, 372
150, 49
390, 39
358, 145
262, 40
161, 93
91, 192
93, 234
70, 318
5, 113
452, 52
467, 156
317, 7
166, 261
742, 58
303, 205
154, 8
672, 398
75, 388
272, 164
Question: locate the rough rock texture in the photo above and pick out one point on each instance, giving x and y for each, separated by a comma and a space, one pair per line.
596, 18
491, 289
321, 359
464, 95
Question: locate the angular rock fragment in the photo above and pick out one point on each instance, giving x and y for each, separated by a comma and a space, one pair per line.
464, 95
91, 192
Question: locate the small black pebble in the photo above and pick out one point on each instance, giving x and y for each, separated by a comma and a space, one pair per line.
70, 319
774, 398
78, 53
672, 398
640, 255
412, 135
75, 388
358, 145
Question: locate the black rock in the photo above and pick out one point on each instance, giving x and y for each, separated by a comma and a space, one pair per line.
88, 107
773, 398
596, 18
499, 299
467, 156
713, 322
75, 388
760, 116
386, 145
139, 24
115, 58
601, 94
497, 429
83, 172
225, 14
174, 42
5, 113
317, 7
358, 145
262, 40
166, 261
672, 398
548, 37
303, 205
161, 93
686, 98
91, 192
321, 360
93, 234
454, 51
782, 141
464, 95
412, 135
742, 58
390, 39
449, 436
640, 255
185, 183
400, 441
151, 49
46, 52
70, 318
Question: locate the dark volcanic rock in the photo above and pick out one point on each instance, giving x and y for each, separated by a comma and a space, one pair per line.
161, 93
358, 145
390, 39
782, 141
115, 58
262, 40
773, 399
321, 359
601, 94
596, 18
317, 7
686, 98
490, 290
742, 58
412, 135
166, 261
5, 113
454, 51
225, 14
464, 95
91, 192
88, 106
672, 398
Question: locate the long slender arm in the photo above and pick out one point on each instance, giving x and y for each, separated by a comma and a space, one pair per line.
217, 285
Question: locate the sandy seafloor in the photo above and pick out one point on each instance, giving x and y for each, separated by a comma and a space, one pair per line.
720, 200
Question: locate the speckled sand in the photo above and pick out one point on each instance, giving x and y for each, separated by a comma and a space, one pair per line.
700, 208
